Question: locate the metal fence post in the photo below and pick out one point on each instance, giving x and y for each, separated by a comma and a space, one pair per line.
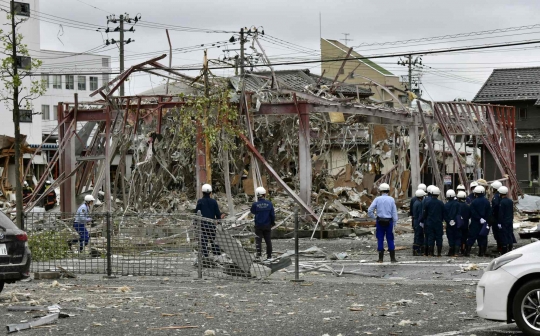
198, 224
296, 256
109, 252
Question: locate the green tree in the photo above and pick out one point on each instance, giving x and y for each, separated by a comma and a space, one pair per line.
17, 92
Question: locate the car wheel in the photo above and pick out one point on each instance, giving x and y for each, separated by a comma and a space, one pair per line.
526, 308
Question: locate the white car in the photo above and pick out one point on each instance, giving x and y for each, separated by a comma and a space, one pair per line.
510, 289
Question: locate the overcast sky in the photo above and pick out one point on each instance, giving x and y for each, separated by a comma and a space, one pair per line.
450, 76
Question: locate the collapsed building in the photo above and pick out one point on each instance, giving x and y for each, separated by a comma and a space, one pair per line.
314, 142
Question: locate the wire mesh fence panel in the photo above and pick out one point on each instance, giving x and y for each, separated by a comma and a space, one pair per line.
153, 244
145, 244
227, 250
59, 242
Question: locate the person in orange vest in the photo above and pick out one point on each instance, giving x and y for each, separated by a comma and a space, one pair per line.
50, 199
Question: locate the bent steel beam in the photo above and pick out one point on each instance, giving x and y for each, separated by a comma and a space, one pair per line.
275, 175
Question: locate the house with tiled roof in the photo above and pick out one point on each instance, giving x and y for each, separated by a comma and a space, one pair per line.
518, 87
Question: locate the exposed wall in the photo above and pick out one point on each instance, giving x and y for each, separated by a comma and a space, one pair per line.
333, 50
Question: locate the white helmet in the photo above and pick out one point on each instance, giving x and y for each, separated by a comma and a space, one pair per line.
461, 194
25, 184
430, 188
502, 190
474, 184
450, 193
260, 191
47, 182
479, 190
206, 188
435, 191
420, 193
89, 198
460, 187
496, 185
422, 186
384, 187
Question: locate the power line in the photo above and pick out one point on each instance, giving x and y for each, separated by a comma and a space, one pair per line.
452, 36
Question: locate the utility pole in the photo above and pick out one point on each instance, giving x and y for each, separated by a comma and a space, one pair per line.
410, 77
410, 63
242, 42
16, 122
346, 39
122, 42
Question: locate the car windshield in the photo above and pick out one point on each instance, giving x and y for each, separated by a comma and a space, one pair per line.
6, 223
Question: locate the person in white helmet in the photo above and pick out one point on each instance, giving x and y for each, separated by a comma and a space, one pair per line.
479, 228
265, 218
465, 214
461, 187
433, 217
426, 200
82, 218
209, 208
453, 233
505, 221
471, 196
421, 186
386, 219
27, 191
418, 244
495, 214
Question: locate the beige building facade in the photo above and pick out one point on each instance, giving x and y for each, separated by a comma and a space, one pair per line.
353, 69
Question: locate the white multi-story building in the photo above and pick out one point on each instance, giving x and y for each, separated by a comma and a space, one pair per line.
65, 73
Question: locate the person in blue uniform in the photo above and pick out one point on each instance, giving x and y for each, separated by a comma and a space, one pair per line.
433, 222
426, 200
421, 186
265, 218
471, 196
505, 220
495, 214
82, 218
451, 213
480, 211
418, 245
209, 208
465, 216
386, 219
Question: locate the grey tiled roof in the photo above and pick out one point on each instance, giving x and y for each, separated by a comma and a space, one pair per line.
510, 85
527, 136
294, 80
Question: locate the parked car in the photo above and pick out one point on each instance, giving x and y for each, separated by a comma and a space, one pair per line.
15, 256
510, 289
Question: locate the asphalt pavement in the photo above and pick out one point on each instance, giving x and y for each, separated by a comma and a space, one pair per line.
417, 296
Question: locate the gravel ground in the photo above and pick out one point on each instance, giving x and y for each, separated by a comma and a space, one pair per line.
418, 296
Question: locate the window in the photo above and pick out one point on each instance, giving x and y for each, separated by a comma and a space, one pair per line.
534, 167
70, 82
81, 82
46, 112
57, 82
522, 114
93, 83
55, 111
105, 62
105, 78
25, 116
45, 80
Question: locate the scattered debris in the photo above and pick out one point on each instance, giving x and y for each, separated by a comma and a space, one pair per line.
49, 319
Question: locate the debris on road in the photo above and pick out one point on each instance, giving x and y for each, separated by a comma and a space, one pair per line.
49, 319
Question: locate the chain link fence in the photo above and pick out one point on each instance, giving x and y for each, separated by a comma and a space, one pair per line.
175, 244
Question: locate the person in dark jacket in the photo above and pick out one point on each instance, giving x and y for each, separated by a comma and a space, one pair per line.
265, 218
480, 212
471, 196
453, 234
426, 200
421, 186
495, 214
418, 245
209, 209
433, 218
50, 199
465, 214
505, 221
